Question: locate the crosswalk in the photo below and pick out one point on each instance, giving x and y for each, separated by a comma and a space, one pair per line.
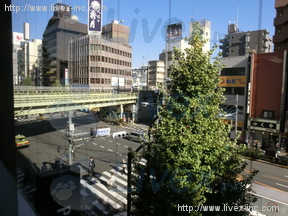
137, 127
24, 184
101, 197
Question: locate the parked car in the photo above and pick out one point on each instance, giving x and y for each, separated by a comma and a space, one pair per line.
21, 141
138, 136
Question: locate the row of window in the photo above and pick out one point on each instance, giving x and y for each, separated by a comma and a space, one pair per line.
235, 71
110, 50
110, 60
234, 90
106, 81
110, 71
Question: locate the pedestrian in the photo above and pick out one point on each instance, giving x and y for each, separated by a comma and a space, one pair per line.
112, 180
124, 165
278, 147
91, 166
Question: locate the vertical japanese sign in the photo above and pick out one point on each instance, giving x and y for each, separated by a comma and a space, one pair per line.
95, 15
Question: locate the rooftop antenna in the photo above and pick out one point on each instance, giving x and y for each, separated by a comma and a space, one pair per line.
237, 16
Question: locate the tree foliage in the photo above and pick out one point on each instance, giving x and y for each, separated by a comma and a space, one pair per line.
57, 83
28, 81
190, 160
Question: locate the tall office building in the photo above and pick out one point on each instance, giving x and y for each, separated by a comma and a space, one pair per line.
18, 58
156, 74
280, 38
61, 27
27, 55
238, 43
101, 62
205, 26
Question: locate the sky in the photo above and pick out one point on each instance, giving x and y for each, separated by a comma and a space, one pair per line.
147, 19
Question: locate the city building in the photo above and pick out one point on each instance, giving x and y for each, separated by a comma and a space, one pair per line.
34, 61
175, 39
100, 62
18, 57
280, 38
267, 99
119, 33
205, 26
60, 29
139, 78
233, 79
238, 43
156, 74
27, 55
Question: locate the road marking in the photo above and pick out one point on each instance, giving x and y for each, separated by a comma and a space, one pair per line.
286, 176
94, 143
256, 182
102, 146
282, 185
272, 177
102, 138
110, 150
118, 143
126, 146
110, 141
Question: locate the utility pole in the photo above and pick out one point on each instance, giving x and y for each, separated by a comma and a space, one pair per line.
236, 117
70, 130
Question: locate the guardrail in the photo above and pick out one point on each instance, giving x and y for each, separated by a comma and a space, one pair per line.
46, 100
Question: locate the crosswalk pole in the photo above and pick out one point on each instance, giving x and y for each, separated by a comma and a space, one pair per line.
129, 184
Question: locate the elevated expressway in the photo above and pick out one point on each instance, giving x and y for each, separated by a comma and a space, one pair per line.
40, 100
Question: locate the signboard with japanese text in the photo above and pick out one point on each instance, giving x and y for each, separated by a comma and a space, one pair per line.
232, 81
267, 125
95, 15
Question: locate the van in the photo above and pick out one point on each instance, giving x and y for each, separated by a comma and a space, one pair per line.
138, 136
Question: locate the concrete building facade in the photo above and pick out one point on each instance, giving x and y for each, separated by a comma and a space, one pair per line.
100, 62
156, 74
60, 28
27, 61
238, 43
233, 78
280, 38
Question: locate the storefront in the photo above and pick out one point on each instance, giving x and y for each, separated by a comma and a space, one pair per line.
265, 131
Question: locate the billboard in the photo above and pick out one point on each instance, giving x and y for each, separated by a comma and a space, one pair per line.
95, 15
117, 81
17, 38
232, 81
174, 32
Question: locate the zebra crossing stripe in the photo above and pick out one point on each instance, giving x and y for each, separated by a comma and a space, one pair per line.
115, 192
118, 178
102, 196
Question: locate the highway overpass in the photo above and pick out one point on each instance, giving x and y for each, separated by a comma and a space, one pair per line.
40, 100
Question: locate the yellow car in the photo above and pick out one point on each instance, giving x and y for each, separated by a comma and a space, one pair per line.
21, 141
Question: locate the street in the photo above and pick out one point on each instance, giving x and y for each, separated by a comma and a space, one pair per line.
48, 141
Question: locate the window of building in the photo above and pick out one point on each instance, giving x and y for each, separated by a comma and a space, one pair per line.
234, 90
235, 71
268, 114
97, 80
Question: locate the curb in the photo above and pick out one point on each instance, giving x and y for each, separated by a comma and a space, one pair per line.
266, 162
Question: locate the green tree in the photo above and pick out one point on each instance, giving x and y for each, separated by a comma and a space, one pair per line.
190, 160
27, 81
57, 83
